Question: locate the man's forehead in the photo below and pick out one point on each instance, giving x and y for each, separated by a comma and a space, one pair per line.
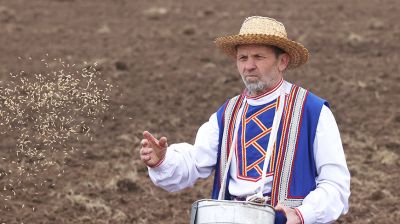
253, 48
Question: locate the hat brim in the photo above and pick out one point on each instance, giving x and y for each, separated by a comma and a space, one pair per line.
297, 52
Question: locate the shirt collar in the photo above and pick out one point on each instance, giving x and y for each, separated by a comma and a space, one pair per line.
268, 95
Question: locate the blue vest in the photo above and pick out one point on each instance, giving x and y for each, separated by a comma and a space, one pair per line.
293, 164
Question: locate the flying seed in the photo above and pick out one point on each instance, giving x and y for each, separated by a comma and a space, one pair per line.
43, 110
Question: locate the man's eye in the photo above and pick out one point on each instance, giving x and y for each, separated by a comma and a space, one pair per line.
259, 57
242, 58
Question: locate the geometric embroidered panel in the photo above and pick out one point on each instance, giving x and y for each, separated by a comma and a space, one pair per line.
254, 132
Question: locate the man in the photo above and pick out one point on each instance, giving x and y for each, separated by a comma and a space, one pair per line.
305, 176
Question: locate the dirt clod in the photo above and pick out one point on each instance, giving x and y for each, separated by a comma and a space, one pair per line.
127, 185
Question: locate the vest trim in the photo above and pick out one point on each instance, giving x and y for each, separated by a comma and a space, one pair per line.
287, 152
230, 114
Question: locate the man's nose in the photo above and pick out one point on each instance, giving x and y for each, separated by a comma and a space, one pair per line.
250, 65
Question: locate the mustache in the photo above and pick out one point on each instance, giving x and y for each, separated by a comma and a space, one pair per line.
251, 74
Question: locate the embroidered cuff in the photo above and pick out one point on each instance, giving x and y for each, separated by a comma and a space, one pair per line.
306, 214
158, 164
298, 213
162, 164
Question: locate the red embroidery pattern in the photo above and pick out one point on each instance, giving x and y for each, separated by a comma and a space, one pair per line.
253, 144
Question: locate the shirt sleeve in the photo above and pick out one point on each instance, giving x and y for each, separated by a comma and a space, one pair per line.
185, 163
330, 198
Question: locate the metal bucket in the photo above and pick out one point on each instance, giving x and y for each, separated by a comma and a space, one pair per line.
209, 211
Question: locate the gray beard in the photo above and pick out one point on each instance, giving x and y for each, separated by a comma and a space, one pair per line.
254, 87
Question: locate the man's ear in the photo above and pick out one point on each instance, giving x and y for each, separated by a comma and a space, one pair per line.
283, 61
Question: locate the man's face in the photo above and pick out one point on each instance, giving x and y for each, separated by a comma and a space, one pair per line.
259, 67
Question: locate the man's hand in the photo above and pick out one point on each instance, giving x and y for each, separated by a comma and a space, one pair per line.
152, 151
290, 213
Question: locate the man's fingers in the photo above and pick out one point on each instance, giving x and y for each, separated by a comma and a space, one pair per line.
145, 158
163, 142
152, 150
146, 151
152, 140
291, 215
144, 143
281, 208
149, 136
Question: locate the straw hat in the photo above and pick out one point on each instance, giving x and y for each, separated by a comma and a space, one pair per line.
264, 30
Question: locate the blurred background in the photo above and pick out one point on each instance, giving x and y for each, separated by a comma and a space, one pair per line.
168, 78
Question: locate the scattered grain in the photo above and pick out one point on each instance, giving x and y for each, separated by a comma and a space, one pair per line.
45, 112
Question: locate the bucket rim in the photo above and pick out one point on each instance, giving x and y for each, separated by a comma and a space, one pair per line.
233, 202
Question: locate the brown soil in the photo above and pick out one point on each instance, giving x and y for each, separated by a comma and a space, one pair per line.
170, 77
